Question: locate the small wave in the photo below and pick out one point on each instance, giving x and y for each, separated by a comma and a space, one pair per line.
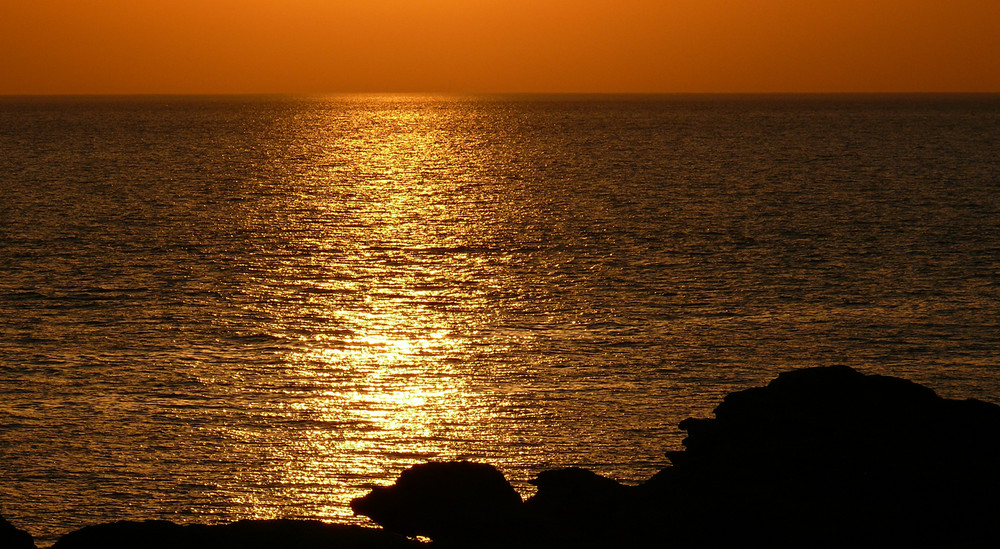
257, 337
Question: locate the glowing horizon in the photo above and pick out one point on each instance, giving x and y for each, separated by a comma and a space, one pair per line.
494, 46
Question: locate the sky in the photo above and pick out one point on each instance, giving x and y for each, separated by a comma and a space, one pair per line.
485, 46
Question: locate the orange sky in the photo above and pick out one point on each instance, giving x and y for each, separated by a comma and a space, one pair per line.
264, 46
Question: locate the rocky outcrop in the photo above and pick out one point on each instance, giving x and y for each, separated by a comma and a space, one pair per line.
444, 501
13, 538
576, 492
245, 534
823, 457
838, 458
576, 507
154, 534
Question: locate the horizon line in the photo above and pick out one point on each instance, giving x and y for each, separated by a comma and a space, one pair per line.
500, 93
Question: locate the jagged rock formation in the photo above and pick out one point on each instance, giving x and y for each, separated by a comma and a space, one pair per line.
443, 501
13, 538
245, 534
823, 457
831, 457
576, 507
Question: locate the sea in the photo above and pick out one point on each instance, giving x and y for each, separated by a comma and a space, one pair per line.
226, 307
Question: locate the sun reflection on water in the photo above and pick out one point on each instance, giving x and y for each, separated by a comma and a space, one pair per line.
381, 385
259, 307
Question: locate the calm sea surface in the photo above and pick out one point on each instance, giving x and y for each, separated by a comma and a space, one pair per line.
219, 308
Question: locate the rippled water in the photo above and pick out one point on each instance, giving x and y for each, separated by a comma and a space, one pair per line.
218, 308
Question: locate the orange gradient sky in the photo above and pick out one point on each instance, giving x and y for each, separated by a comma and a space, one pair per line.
318, 46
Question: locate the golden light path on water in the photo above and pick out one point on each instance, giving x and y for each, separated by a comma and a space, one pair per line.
233, 307
447, 284
385, 382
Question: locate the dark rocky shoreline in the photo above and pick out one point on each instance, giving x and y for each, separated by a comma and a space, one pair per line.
823, 457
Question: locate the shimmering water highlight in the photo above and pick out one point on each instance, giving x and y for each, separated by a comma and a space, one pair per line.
217, 308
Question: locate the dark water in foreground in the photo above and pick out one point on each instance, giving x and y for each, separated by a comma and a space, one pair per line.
220, 308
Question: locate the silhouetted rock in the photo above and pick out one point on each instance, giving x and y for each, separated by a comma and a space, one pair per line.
152, 534
444, 501
832, 457
13, 538
819, 457
574, 487
245, 534
576, 507
823, 457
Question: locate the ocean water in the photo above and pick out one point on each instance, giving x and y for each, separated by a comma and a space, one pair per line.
215, 308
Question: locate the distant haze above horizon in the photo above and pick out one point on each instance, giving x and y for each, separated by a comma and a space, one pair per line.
658, 46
